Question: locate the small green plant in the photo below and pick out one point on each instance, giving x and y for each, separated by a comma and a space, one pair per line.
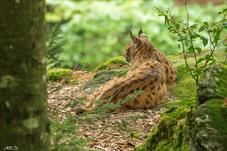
58, 73
193, 38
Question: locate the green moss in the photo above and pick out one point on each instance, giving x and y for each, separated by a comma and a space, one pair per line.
218, 114
8, 81
31, 123
171, 132
115, 62
222, 82
58, 73
208, 126
213, 84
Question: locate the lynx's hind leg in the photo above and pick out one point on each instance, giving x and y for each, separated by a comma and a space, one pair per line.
153, 95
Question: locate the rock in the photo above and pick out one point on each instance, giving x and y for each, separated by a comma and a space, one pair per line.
213, 84
187, 125
208, 126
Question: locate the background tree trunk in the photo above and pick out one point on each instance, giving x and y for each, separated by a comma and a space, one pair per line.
24, 124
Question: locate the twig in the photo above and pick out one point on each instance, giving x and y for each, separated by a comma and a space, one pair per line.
191, 43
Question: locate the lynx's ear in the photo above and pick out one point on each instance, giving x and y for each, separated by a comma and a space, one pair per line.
141, 33
134, 39
132, 36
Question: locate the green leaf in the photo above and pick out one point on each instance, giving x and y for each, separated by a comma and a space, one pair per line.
217, 35
205, 41
225, 25
198, 49
166, 20
191, 49
179, 46
194, 26
223, 11
200, 60
203, 27
211, 62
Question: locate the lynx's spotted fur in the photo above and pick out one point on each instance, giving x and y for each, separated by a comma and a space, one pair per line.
150, 71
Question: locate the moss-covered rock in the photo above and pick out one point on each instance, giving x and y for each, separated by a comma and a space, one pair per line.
171, 133
58, 74
208, 126
214, 84
186, 125
113, 63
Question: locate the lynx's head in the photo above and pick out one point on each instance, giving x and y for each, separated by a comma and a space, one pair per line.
138, 45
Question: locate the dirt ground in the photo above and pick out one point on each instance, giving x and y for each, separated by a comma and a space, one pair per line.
120, 131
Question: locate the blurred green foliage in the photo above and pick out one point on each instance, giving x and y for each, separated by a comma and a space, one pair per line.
54, 46
95, 30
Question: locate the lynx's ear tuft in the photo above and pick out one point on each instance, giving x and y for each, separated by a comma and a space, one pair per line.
134, 39
140, 31
132, 36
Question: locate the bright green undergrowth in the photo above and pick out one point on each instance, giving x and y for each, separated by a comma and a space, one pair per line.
58, 73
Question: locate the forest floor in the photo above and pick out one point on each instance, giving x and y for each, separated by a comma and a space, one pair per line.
115, 131
103, 130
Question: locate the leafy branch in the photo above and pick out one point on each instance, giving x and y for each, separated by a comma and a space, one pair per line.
190, 37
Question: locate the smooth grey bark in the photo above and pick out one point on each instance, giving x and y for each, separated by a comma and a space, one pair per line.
24, 124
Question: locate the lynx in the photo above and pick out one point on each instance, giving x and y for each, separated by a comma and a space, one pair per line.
150, 72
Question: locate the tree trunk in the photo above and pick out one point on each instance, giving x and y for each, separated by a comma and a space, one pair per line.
24, 123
